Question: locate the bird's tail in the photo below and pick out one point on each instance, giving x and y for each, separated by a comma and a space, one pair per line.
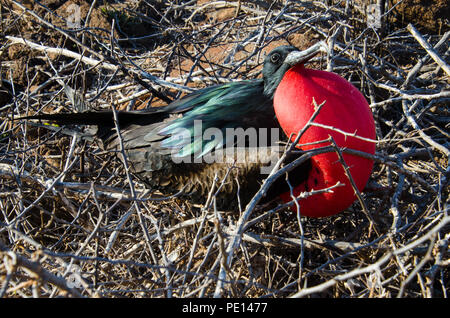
104, 118
99, 118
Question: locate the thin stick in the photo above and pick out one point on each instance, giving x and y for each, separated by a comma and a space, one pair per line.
430, 50
62, 51
17, 260
355, 188
416, 126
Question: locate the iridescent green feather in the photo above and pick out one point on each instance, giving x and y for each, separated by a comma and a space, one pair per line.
226, 106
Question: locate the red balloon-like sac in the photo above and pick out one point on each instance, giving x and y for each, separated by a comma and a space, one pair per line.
345, 109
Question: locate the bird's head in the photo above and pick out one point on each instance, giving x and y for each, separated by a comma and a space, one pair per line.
281, 59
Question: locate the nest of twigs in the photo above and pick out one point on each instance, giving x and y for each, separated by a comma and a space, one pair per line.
73, 222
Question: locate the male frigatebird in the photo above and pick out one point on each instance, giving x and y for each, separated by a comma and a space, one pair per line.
157, 141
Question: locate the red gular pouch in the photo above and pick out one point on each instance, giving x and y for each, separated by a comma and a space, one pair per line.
345, 109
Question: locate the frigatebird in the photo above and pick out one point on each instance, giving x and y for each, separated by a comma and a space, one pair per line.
185, 146
165, 158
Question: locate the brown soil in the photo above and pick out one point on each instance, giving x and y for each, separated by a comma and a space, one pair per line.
427, 15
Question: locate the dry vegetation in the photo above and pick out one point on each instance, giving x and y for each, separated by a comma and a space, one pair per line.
71, 216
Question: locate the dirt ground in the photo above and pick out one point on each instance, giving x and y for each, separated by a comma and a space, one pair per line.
69, 225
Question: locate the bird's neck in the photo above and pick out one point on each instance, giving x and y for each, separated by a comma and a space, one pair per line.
271, 81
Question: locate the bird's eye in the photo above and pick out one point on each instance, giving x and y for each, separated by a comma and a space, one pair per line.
275, 58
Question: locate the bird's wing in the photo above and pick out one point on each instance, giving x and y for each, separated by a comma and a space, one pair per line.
195, 125
210, 113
